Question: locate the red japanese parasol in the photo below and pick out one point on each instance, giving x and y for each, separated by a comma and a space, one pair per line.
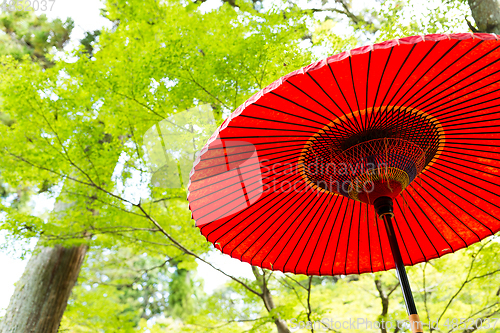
372, 159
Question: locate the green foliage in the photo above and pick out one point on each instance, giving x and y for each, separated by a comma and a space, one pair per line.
89, 40
75, 121
134, 288
391, 19
108, 312
182, 296
24, 33
407, 18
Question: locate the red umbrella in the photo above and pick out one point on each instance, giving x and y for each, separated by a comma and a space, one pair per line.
404, 130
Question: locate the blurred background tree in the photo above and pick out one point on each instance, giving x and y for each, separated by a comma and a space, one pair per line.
26, 34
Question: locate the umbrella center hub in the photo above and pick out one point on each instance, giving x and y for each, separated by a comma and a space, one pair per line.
371, 153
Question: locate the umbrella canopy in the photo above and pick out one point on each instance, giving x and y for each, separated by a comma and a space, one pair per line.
288, 181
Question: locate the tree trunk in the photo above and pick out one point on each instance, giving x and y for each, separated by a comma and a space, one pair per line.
385, 302
268, 301
267, 298
43, 291
486, 13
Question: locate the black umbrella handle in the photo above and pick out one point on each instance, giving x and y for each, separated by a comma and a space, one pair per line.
384, 208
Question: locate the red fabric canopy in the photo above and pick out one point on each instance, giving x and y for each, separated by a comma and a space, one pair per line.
250, 198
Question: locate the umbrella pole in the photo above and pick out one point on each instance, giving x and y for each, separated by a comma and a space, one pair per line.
384, 208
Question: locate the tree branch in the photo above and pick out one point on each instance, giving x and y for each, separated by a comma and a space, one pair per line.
309, 311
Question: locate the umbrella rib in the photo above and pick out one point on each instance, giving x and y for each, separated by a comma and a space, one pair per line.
345, 99
339, 128
373, 115
259, 225
297, 177
463, 160
444, 70
469, 149
458, 90
467, 114
301, 142
321, 233
485, 122
460, 187
359, 233
377, 226
276, 208
421, 76
281, 122
309, 239
430, 222
299, 105
349, 238
456, 218
412, 233
242, 182
473, 127
418, 222
339, 234
367, 88
287, 113
329, 142
409, 75
400, 121
467, 174
273, 129
354, 90
447, 152
324, 107
323, 141
449, 110
213, 201
435, 94
333, 101
409, 123
331, 232
289, 157
397, 73
212, 193
442, 219
266, 137
289, 226
472, 139
474, 133
263, 205
221, 216
298, 199
485, 226
244, 159
448, 143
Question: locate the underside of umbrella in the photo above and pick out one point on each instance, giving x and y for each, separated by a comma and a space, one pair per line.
370, 159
